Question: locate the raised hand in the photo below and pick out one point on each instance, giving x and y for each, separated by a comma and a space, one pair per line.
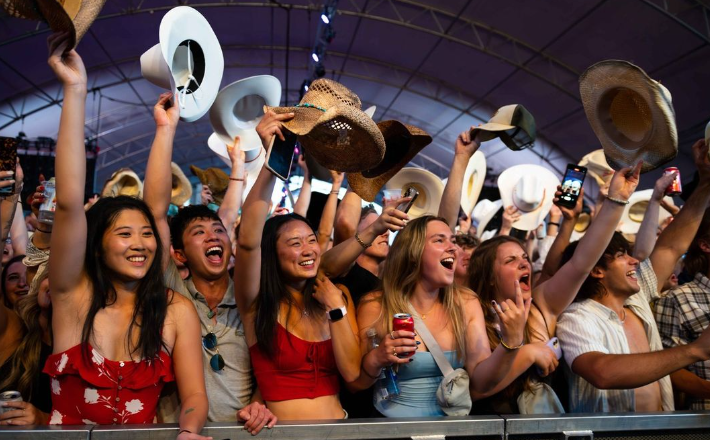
513, 317
510, 216
66, 64
659, 189
304, 166
624, 182
236, 155
206, 195
391, 218
465, 145
165, 113
270, 125
569, 213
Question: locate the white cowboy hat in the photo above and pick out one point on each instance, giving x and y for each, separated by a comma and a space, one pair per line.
371, 111
531, 189
473, 179
597, 167
631, 114
635, 211
482, 214
430, 188
238, 110
188, 60
253, 162
123, 182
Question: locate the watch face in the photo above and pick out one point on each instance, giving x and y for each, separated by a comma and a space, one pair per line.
335, 314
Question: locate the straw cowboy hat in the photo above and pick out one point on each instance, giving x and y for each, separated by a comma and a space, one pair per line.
482, 214
188, 60
72, 16
580, 226
631, 114
238, 110
513, 124
430, 188
216, 179
598, 169
403, 142
181, 188
123, 182
334, 130
531, 189
635, 211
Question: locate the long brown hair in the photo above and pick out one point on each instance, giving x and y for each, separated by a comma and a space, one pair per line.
402, 272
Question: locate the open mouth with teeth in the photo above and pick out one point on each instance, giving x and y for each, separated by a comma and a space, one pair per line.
214, 254
631, 274
307, 263
137, 259
448, 263
525, 282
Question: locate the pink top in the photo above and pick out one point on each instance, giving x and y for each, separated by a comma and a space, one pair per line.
105, 392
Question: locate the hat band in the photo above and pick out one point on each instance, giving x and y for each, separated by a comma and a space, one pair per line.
257, 156
544, 192
307, 105
190, 77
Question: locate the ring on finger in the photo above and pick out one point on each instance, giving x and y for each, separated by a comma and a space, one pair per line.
394, 351
392, 335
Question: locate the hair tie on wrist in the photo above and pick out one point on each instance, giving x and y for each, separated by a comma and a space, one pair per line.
508, 347
619, 201
236, 179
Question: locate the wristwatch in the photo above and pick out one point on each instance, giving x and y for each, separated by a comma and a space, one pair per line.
336, 315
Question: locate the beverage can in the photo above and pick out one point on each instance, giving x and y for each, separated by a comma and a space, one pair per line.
9, 396
46, 210
675, 187
403, 321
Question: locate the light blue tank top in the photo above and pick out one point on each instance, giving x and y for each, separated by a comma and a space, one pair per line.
418, 382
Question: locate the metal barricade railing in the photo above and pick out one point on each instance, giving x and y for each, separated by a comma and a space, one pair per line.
45, 432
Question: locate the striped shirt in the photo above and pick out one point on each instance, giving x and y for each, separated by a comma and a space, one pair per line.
590, 326
682, 315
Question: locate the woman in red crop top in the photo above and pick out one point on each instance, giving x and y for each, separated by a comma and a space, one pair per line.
115, 328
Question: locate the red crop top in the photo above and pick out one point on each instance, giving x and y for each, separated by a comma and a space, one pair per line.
299, 369
104, 392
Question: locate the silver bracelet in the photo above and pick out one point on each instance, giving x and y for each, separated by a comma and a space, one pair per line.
619, 201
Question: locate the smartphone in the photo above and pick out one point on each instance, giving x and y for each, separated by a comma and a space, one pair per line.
411, 192
554, 345
572, 185
279, 159
8, 161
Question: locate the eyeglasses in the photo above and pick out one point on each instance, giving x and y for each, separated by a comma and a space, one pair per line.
209, 341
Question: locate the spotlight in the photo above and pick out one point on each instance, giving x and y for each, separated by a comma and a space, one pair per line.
325, 18
304, 88
315, 57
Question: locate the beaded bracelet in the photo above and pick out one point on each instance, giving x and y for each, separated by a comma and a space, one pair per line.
362, 243
619, 201
307, 105
507, 347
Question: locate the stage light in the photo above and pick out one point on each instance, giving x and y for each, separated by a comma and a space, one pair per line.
315, 57
325, 18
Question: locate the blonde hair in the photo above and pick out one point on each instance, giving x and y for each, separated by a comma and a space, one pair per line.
402, 272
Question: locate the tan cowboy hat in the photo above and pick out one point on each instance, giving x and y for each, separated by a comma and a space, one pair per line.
333, 129
123, 182
473, 179
216, 179
482, 214
531, 189
403, 143
513, 124
430, 188
182, 188
598, 169
631, 114
580, 226
635, 211
72, 16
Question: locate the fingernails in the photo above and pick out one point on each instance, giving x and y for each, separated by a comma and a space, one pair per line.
419, 342
412, 334
11, 172
411, 359
494, 302
292, 114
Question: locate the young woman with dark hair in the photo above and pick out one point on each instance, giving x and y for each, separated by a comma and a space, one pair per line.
119, 334
14, 281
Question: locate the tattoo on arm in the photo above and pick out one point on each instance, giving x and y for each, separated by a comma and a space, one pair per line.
189, 410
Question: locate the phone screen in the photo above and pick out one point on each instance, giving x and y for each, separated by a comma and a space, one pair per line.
281, 155
8, 160
572, 185
411, 192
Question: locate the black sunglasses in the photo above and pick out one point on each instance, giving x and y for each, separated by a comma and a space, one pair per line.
209, 341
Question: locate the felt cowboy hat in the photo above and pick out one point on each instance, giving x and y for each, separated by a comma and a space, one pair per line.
237, 111
598, 168
71, 16
513, 124
216, 179
181, 187
635, 211
531, 189
430, 188
403, 142
188, 60
251, 166
333, 129
631, 114
473, 179
123, 182
482, 214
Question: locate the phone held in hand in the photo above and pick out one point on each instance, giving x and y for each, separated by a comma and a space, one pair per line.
8, 161
279, 159
572, 185
406, 206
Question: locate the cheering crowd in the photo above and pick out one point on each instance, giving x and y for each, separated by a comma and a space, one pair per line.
127, 310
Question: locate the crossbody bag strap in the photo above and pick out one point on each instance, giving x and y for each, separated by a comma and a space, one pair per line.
432, 345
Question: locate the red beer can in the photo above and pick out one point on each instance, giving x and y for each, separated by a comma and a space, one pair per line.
403, 321
675, 187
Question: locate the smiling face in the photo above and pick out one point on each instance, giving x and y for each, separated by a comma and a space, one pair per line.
380, 246
7, 252
206, 248
438, 260
129, 245
619, 275
16, 285
298, 251
511, 264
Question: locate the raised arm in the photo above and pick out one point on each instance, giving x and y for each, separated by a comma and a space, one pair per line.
8, 204
676, 238
18, 230
247, 267
555, 295
510, 216
158, 175
648, 231
229, 210
66, 262
564, 232
347, 217
451, 200
304, 196
325, 228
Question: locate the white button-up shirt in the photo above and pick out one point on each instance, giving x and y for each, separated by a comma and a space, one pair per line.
589, 326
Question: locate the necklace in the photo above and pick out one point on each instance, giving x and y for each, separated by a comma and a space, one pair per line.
424, 315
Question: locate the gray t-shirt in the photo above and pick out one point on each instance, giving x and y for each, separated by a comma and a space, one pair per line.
228, 390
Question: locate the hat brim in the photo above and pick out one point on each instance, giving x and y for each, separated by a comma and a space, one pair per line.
183, 195
247, 138
430, 187
631, 221
507, 181
123, 182
484, 219
403, 143
473, 179
216, 179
